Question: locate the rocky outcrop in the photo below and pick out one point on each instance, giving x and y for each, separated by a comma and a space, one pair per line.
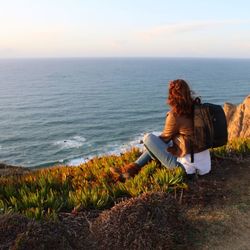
238, 119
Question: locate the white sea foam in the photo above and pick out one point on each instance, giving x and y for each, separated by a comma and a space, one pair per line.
73, 142
76, 162
80, 160
116, 149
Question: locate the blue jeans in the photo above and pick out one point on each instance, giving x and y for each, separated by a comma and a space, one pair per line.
156, 149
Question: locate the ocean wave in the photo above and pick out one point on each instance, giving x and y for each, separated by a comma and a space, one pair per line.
78, 161
137, 142
73, 142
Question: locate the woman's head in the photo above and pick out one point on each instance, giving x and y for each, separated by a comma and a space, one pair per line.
180, 98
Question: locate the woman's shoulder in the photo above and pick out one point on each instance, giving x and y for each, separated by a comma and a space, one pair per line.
173, 114
182, 120
170, 115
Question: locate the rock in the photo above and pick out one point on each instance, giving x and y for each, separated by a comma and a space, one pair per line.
238, 119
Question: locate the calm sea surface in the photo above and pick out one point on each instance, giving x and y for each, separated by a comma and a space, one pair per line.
68, 110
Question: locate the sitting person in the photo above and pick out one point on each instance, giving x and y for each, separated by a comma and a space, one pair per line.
173, 147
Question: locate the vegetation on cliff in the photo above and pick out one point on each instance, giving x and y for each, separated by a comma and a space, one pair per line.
45, 193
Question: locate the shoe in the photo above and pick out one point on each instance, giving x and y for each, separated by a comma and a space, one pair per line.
125, 172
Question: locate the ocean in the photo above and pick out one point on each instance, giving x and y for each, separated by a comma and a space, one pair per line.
67, 111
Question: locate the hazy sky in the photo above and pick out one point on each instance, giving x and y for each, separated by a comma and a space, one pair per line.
155, 28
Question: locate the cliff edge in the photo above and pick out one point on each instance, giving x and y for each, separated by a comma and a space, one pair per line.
238, 119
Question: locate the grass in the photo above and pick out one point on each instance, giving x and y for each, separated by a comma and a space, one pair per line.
45, 193
237, 149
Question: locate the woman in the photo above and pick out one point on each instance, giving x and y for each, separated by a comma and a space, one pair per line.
173, 147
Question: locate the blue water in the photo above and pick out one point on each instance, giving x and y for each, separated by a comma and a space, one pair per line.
68, 110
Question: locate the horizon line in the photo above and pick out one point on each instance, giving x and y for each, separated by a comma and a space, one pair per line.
123, 57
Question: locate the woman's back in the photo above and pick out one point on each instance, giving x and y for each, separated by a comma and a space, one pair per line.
179, 129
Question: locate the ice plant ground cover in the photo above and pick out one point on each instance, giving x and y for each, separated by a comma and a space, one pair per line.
45, 193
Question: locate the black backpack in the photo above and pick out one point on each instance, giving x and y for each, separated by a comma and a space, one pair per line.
210, 126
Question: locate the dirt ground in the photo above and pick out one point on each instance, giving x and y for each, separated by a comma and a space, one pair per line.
217, 207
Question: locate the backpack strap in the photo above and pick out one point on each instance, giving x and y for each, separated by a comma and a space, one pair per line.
197, 101
192, 152
191, 141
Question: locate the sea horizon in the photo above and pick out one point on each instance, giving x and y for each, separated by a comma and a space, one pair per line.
127, 57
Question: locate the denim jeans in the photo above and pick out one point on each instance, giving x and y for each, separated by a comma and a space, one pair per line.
156, 149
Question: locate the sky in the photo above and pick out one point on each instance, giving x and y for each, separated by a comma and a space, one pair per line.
124, 28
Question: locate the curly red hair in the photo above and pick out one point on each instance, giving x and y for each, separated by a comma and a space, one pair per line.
180, 97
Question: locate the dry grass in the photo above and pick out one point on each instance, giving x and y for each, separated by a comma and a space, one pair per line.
151, 221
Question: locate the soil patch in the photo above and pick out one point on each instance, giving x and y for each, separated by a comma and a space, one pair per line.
217, 207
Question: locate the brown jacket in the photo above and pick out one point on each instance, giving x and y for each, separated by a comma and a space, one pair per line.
179, 129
